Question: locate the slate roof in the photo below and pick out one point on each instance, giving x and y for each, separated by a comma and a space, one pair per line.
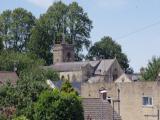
104, 66
8, 76
134, 77
101, 66
72, 66
98, 109
76, 85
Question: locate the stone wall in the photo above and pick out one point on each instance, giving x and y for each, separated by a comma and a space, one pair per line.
71, 76
131, 103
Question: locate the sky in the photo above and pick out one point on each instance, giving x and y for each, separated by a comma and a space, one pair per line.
134, 24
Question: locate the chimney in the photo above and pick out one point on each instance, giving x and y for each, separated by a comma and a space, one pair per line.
103, 93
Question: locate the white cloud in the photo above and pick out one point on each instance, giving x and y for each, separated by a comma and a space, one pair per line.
41, 3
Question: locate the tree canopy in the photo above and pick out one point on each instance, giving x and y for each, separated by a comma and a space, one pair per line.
10, 60
58, 105
15, 28
25, 93
107, 48
1, 44
152, 70
61, 20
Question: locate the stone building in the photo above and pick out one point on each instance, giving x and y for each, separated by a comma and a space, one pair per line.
137, 100
126, 96
84, 71
63, 53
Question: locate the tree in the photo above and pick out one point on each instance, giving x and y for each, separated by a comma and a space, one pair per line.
60, 19
1, 44
58, 105
15, 28
20, 118
79, 28
5, 26
9, 60
106, 48
22, 96
153, 69
41, 41
67, 87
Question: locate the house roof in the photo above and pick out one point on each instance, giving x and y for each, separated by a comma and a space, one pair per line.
8, 76
76, 85
98, 109
104, 66
101, 66
72, 66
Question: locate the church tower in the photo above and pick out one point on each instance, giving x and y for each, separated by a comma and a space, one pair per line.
63, 52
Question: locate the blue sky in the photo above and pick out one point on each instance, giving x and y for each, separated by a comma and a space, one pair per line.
134, 24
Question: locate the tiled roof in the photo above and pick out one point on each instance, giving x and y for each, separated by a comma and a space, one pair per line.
72, 66
8, 76
97, 109
76, 85
134, 77
104, 66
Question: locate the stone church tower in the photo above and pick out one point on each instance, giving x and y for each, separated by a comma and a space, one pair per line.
63, 52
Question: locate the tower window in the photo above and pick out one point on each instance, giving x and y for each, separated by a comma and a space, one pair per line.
68, 56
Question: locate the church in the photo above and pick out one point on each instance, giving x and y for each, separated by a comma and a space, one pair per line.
102, 70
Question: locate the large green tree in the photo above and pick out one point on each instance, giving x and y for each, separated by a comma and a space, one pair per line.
22, 96
56, 105
1, 44
10, 60
16, 28
61, 20
152, 70
107, 48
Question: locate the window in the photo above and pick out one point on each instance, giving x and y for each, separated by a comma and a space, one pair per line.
147, 101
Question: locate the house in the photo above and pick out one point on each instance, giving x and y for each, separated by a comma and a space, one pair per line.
7, 76
137, 100
98, 109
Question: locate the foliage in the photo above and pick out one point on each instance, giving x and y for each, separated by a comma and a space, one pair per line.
10, 59
60, 18
26, 92
41, 42
67, 87
109, 49
57, 105
152, 70
20, 118
1, 44
15, 28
